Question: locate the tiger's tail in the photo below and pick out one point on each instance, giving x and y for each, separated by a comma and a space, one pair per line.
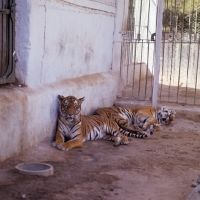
139, 133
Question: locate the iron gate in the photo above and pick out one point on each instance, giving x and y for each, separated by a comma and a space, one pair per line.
179, 62
7, 18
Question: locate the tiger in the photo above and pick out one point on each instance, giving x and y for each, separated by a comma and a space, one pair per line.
144, 118
73, 129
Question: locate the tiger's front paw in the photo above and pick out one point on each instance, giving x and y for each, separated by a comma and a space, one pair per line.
54, 144
124, 140
117, 141
62, 148
59, 146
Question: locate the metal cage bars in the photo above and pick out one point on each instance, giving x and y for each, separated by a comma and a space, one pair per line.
7, 30
179, 62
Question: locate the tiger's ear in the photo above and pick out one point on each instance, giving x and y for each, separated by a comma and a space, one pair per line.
60, 97
82, 99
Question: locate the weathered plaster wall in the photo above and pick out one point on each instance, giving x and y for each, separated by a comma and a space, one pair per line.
63, 47
65, 39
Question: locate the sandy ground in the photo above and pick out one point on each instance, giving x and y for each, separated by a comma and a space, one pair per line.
161, 167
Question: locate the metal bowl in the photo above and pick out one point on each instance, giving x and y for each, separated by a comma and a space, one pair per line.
40, 169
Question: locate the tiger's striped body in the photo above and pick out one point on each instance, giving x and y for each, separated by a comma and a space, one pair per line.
131, 119
73, 128
144, 118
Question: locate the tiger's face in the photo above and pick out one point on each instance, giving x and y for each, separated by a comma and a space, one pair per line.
166, 115
70, 107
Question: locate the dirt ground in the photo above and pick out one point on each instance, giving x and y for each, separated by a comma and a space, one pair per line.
161, 167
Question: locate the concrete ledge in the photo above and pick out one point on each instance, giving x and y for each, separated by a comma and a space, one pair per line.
29, 115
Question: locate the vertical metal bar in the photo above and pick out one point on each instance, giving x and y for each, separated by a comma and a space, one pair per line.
1, 73
133, 44
197, 68
166, 7
188, 63
195, 25
128, 63
121, 73
147, 67
122, 56
131, 38
138, 35
173, 44
140, 69
170, 73
7, 39
157, 54
163, 57
134, 61
133, 86
11, 40
196, 78
182, 32
127, 43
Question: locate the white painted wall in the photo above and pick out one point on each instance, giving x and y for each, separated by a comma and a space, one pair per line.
63, 47
66, 39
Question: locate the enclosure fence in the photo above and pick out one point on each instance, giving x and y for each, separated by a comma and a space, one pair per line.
179, 62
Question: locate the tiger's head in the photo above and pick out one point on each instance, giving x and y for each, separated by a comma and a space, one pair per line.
165, 115
70, 107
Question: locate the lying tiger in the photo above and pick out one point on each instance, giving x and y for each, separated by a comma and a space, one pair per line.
138, 118
73, 128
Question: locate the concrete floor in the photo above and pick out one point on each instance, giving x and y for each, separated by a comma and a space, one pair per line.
161, 167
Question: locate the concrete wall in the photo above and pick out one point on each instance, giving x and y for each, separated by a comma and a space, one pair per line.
63, 47
64, 39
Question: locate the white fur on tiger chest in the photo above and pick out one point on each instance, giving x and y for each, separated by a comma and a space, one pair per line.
68, 131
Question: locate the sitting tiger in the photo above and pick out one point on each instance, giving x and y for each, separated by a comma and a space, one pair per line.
144, 118
73, 128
